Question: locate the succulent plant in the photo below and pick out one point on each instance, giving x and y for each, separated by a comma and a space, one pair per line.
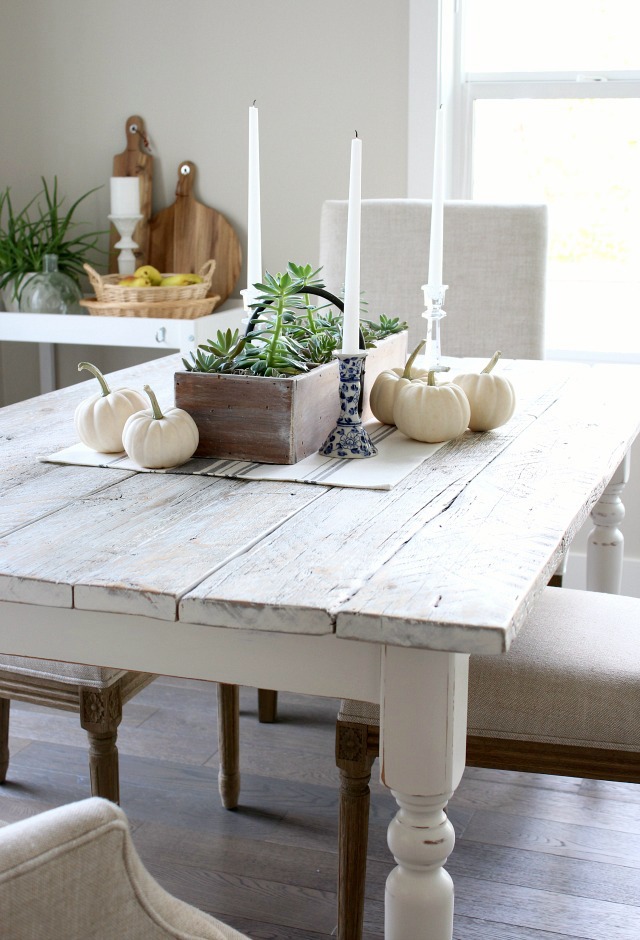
289, 332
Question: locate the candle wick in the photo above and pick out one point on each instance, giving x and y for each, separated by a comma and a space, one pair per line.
254, 103
356, 133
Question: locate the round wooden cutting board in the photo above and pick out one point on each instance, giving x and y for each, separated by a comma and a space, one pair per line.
185, 235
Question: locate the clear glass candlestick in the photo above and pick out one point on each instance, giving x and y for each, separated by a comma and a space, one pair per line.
349, 437
434, 314
125, 225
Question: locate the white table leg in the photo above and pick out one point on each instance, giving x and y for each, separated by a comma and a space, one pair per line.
605, 548
422, 755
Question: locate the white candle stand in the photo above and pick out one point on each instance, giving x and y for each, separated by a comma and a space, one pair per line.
434, 299
125, 225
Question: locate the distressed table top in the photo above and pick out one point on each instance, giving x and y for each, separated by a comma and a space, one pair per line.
452, 558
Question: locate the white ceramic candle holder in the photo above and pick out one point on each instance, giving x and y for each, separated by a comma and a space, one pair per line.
125, 225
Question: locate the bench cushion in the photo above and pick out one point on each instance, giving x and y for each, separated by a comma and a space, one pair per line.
96, 677
581, 688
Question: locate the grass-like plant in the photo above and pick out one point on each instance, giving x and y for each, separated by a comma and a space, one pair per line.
290, 332
42, 228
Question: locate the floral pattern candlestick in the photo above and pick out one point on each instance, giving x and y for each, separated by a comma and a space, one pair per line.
349, 438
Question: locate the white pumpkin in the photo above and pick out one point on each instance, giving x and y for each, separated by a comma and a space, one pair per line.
155, 440
100, 420
492, 398
432, 413
386, 386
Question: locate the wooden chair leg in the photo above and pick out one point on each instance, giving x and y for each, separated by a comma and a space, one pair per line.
5, 705
267, 706
100, 715
356, 750
229, 744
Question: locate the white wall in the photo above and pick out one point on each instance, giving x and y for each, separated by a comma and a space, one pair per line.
71, 72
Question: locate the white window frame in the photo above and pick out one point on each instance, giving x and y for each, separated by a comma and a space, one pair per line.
467, 88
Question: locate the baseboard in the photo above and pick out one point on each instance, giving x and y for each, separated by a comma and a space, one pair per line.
576, 574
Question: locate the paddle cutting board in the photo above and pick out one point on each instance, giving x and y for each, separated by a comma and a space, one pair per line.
188, 233
135, 161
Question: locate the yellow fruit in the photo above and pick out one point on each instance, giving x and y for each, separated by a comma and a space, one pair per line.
152, 274
141, 282
126, 281
180, 280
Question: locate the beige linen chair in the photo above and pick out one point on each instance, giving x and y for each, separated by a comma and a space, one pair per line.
494, 261
97, 694
565, 700
73, 873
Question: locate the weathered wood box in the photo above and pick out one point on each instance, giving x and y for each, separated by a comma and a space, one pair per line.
274, 420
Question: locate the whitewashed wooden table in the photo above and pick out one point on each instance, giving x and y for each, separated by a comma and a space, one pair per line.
374, 595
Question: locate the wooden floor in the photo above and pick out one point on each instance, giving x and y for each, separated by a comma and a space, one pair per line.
536, 858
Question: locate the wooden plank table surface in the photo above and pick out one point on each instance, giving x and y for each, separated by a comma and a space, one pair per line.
374, 595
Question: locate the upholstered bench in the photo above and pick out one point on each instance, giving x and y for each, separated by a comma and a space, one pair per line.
97, 694
564, 700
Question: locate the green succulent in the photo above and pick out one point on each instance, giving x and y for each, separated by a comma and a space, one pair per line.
290, 332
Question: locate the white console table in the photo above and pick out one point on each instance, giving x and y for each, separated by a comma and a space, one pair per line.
47, 329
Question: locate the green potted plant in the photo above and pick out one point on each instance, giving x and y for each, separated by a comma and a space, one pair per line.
271, 395
42, 227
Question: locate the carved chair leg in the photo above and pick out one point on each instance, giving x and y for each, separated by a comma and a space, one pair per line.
5, 705
100, 715
229, 744
267, 706
356, 750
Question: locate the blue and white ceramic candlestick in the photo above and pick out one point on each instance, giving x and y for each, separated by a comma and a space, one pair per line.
349, 438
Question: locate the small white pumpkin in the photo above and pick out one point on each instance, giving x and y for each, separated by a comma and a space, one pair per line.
386, 386
492, 398
99, 420
156, 440
432, 413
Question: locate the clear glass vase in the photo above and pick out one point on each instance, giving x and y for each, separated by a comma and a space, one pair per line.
51, 291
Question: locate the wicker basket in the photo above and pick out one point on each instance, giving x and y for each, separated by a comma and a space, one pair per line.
108, 290
173, 309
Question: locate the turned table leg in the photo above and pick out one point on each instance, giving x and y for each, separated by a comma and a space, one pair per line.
605, 549
422, 755
229, 744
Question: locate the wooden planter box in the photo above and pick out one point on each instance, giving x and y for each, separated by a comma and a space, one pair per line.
274, 420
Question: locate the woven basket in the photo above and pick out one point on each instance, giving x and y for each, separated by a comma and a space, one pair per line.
172, 309
108, 290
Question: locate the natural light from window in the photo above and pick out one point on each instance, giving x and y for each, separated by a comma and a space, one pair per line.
579, 155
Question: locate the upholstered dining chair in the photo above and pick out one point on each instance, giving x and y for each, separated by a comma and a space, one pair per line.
494, 261
564, 701
73, 873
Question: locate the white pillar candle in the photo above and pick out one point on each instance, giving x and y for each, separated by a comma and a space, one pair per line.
351, 320
437, 204
125, 196
254, 234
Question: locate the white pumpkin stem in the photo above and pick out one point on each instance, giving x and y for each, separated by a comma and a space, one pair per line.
489, 366
407, 369
98, 374
155, 407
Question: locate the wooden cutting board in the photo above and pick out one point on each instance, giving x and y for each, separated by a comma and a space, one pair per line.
188, 233
135, 161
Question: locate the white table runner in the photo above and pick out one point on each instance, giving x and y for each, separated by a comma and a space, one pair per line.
397, 456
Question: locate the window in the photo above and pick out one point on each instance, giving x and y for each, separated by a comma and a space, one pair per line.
550, 112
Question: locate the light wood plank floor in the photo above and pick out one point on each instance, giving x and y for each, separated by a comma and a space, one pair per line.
536, 858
